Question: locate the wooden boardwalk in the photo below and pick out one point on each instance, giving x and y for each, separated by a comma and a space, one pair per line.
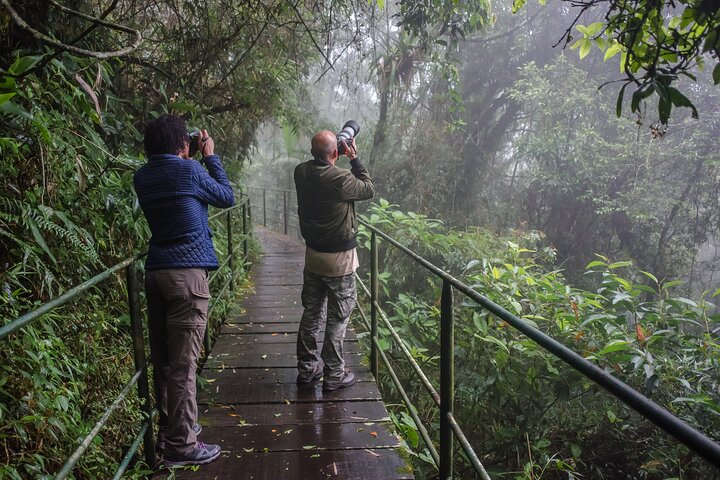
270, 428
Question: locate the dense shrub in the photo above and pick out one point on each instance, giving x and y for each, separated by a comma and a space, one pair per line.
529, 415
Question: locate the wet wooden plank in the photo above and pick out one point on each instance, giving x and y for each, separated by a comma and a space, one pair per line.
267, 360
276, 328
288, 392
378, 464
230, 346
294, 413
249, 377
316, 437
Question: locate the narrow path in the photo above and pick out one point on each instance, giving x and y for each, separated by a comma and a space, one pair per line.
270, 428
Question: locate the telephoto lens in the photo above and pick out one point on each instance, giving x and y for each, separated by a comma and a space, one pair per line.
349, 130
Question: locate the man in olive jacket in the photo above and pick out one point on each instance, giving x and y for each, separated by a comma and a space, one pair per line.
326, 195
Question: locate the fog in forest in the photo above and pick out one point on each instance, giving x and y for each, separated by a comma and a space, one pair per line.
534, 144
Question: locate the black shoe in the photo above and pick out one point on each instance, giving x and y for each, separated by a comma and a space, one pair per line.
347, 380
305, 378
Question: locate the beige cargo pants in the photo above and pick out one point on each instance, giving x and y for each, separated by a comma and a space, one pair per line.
177, 301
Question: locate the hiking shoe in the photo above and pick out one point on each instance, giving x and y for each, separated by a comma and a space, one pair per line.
304, 377
202, 454
347, 380
160, 446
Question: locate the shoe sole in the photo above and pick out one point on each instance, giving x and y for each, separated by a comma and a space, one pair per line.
187, 463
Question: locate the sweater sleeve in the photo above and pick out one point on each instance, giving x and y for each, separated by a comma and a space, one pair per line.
358, 185
213, 186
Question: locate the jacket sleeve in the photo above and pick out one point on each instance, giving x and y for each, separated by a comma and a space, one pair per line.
213, 186
358, 185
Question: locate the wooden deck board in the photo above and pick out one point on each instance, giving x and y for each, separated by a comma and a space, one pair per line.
268, 426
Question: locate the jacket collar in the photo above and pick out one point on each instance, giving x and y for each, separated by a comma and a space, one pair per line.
163, 156
320, 161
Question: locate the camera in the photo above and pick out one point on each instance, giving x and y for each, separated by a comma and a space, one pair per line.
349, 131
194, 141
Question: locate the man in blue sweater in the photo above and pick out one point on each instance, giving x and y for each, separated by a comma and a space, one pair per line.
174, 192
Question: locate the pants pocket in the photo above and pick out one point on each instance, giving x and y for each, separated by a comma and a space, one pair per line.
200, 302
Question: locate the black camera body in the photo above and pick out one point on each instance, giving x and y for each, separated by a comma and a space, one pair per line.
349, 131
194, 141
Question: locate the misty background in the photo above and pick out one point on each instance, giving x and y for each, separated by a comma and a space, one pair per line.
528, 141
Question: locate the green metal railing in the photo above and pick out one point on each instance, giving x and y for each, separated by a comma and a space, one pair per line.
450, 430
145, 434
283, 208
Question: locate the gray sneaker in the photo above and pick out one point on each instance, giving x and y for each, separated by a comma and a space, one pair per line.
200, 456
347, 380
305, 378
160, 445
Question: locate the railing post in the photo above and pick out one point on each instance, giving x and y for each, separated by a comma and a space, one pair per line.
285, 211
374, 301
244, 230
230, 250
447, 380
140, 359
264, 209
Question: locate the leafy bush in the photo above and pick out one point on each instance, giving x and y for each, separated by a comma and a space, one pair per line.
529, 415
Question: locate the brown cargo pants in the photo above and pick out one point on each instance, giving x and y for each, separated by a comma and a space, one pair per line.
177, 302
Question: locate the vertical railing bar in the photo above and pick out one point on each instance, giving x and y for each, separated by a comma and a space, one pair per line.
374, 302
264, 209
245, 232
447, 380
285, 212
138, 336
230, 250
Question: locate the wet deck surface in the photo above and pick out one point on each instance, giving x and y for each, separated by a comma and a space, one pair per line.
270, 428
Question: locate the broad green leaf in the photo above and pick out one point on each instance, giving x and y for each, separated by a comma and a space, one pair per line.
614, 346
576, 451
680, 100
612, 51
491, 339
585, 47
595, 263
4, 97
618, 106
40, 240
23, 64
517, 5
650, 276
620, 264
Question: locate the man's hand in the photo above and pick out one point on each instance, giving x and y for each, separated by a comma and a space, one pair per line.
206, 144
351, 149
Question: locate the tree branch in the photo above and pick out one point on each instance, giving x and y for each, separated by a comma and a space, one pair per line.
70, 48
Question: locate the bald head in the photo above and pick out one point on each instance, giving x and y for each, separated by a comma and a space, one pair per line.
324, 146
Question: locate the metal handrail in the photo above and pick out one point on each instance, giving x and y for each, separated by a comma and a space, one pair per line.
33, 315
140, 377
689, 436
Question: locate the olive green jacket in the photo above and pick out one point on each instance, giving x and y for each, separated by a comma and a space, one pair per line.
326, 203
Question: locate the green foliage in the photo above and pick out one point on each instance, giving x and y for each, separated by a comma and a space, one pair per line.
540, 418
657, 42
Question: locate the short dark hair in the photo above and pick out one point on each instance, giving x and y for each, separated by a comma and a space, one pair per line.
165, 134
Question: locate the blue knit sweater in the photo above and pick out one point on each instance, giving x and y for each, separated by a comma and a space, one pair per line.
174, 194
